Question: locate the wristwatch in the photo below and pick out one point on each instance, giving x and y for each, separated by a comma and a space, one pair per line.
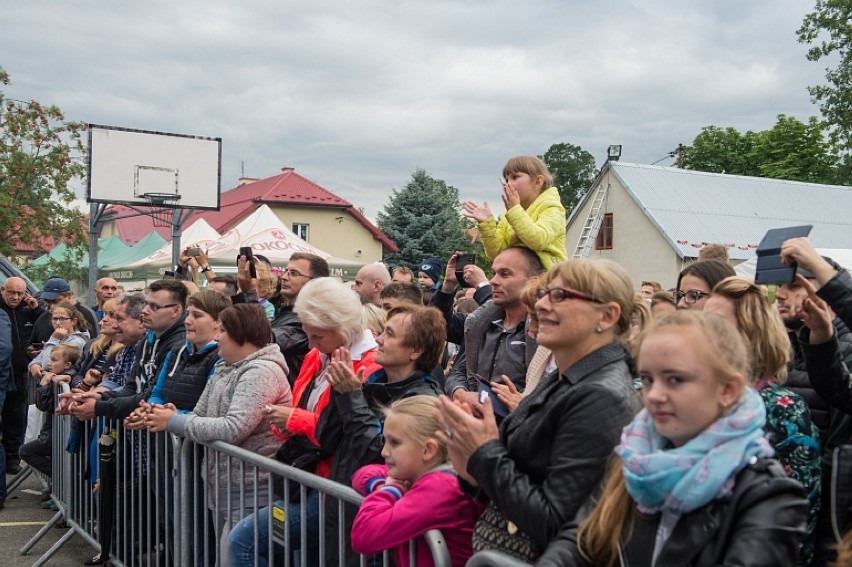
205, 269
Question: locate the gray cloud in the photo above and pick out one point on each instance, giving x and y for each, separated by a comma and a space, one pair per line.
356, 95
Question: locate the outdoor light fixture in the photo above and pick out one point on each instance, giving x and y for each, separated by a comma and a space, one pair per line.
613, 153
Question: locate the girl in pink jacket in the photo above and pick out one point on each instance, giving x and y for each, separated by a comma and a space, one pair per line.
415, 490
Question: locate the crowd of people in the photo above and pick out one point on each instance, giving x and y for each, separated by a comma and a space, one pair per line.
555, 413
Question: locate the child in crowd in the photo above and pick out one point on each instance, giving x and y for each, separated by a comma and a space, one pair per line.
534, 217
266, 284
415, 477
692, 484
69, 327
37, 453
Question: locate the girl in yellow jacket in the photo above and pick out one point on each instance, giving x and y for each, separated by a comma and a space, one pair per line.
535, 217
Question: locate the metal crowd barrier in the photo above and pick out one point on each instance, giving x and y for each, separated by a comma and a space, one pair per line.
158, 504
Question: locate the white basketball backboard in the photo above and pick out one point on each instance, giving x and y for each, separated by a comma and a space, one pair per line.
138, 167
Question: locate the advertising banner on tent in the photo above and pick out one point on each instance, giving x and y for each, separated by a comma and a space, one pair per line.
267, 236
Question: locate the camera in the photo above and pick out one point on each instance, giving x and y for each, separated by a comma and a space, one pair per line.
194, 251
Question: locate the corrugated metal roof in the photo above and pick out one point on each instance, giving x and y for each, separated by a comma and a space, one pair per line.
692, 207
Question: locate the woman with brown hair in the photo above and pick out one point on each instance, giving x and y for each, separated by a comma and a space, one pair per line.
550, 453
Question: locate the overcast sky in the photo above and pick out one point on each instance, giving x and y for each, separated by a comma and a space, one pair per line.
356, 95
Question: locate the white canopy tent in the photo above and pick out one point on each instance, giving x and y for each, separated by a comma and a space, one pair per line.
263, 231
199, 233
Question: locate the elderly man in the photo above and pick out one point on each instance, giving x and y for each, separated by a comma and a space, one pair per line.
369, 282
23, 311
105, 289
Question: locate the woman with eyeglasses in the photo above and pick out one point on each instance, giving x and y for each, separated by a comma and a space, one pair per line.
696, 280
550, 453
69, 328
789, 428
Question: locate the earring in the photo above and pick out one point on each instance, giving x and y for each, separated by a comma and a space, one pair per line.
598, 329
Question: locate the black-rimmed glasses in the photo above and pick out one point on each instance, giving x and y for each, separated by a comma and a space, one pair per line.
691, 296
156, 306
559, 294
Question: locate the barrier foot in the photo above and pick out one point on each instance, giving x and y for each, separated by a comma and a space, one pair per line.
19, 479
34, 540
56, 547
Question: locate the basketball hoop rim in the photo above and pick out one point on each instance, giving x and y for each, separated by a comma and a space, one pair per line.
159, 199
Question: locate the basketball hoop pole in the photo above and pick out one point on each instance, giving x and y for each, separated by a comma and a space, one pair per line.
179, 216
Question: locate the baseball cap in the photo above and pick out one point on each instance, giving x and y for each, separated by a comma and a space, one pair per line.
53, 288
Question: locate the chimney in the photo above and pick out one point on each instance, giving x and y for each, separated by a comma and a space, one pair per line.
246, 180
287, 169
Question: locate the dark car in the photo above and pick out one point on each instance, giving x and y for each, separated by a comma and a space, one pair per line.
8, 269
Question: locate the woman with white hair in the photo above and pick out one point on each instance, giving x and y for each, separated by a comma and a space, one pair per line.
332, 318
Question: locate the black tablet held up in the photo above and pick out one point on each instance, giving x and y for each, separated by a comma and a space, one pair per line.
770, 268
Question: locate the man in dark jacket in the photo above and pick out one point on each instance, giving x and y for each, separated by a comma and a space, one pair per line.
350, 427
495, 339
163, 317
827, 353
23, 311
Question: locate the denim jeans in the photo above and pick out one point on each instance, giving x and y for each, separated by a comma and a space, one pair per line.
241, 549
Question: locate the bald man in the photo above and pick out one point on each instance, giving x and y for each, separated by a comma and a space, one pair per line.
369, 282
23, 311
105, 289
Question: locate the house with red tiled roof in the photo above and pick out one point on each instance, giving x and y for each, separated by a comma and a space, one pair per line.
317, 215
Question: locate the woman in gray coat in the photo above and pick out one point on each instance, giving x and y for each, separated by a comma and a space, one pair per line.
251, 375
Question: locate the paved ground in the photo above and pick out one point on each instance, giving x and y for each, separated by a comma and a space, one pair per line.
22, 518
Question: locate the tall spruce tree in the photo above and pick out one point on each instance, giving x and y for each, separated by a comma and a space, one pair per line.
423, 219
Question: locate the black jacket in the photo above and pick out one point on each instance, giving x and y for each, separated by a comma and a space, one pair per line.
554, 447
834, 383
443, 302
761, 524
291, 339
350, 427
119, 403
185, 372
23, 321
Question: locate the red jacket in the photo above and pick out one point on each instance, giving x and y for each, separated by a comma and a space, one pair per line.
304, 422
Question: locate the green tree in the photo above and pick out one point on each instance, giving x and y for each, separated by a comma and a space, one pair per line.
834, 19
573, 170
791, 149
720, 150
40, 154
423, 219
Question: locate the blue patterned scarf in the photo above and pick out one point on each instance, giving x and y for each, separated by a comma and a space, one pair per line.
685, 478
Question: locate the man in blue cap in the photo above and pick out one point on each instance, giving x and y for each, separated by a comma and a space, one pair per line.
56, 290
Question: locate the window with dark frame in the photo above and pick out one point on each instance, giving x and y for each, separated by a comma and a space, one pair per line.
301, 230
604, 239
